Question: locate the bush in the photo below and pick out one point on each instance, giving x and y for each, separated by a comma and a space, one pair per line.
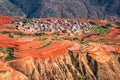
10, 50
11, 36
9, 57
109, 25
2, 50
38, 34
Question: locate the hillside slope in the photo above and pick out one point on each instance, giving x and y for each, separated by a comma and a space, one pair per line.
63, 55
7, 8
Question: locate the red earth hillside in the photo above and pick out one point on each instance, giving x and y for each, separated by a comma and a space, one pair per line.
38, 48
34, 48
5, 19
59, 55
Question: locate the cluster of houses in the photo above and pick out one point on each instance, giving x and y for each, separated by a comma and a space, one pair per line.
53, 26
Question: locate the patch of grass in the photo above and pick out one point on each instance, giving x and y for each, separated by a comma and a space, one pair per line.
4, 32
45, 45
82, 42
100, 30
43, 39
21, 36
55, 39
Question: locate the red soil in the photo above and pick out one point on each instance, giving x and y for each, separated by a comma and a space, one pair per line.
5, 19
2, 27
4, 68
113, 34
31, 48
51, 50
31, 45
99, 52
6, 38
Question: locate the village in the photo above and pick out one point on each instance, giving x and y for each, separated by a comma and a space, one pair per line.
54, 26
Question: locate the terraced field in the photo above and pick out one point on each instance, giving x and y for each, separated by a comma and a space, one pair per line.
52, 56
